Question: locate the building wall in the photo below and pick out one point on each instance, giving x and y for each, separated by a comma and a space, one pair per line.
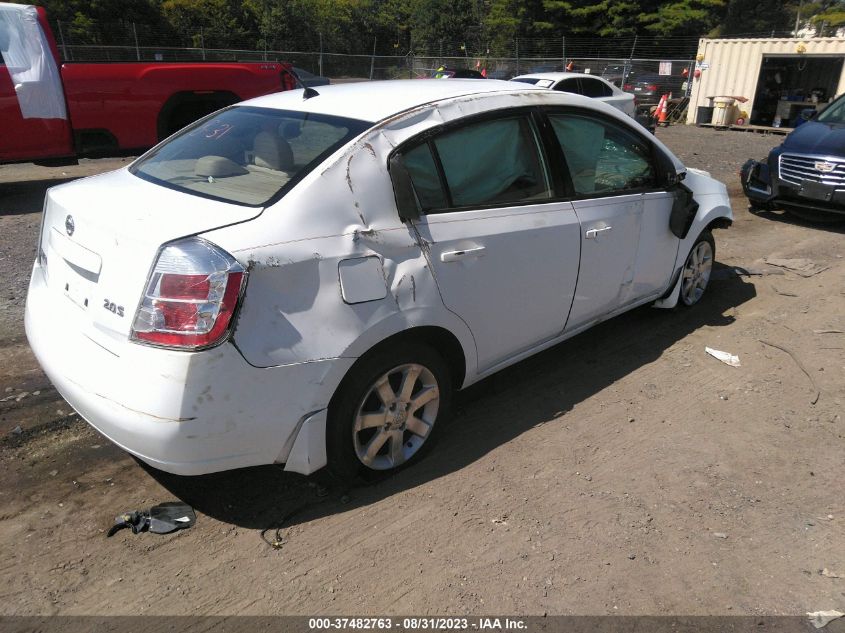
734, 65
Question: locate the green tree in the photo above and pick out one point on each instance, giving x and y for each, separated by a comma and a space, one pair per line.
212, 23
754, 16
683, 17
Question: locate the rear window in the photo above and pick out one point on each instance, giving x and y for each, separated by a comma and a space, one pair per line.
246, 155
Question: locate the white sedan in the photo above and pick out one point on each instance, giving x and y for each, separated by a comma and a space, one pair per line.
582, 84
307, 277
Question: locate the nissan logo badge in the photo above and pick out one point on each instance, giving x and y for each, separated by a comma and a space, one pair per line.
69, 225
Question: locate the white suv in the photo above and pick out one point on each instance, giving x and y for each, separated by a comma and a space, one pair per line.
307, 277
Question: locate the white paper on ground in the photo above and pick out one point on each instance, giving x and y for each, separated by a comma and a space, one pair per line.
725, 357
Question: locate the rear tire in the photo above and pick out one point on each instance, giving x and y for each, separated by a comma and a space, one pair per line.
388, 410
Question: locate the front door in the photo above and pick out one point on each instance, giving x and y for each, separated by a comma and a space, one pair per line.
613, 179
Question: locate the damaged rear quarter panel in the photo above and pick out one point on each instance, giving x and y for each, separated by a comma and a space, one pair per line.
293, 310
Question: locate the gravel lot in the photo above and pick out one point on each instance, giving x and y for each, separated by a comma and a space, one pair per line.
622, 472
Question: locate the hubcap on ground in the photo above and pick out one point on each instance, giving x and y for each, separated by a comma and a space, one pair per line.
395, 416
696, 274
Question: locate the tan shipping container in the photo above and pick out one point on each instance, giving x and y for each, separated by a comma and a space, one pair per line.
731, 67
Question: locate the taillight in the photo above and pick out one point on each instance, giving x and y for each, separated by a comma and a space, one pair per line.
652, 88
190, 298
628, 87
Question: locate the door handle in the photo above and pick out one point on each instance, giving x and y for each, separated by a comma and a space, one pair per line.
594, 233
453, 256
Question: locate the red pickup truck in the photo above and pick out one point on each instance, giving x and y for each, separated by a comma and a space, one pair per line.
52, 113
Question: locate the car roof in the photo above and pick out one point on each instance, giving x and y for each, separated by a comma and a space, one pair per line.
377, 100
555, 76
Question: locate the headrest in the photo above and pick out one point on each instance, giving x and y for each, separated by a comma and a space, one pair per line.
272, 152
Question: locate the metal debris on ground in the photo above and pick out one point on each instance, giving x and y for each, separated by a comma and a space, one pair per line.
800, 365
725, 357
828, 331
803, 267
820, 619
160, 519
829, 574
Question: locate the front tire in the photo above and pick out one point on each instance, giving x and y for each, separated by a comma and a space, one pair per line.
388, 409
695, 275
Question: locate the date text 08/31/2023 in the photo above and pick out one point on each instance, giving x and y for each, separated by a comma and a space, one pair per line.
419, 623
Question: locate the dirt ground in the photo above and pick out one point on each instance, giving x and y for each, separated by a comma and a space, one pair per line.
622, 472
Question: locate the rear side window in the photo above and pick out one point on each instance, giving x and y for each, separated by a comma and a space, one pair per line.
488, 163
602, 157
569, 85
426, 180
595, 88
246, 155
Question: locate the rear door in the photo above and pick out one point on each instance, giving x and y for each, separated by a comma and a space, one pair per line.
503, 248
622, 243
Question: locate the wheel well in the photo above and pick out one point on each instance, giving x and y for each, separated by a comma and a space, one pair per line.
719, 223
183, 108
441, 340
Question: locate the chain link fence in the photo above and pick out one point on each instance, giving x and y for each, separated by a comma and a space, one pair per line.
646, 66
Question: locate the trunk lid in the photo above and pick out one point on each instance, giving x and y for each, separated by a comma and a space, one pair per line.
101, 236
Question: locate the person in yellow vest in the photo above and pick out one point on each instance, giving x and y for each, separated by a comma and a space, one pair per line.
442, 72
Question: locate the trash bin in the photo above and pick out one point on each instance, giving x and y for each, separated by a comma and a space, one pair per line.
723, 111
704, 114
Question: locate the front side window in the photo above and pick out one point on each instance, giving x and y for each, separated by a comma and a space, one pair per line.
602, 157
246, 155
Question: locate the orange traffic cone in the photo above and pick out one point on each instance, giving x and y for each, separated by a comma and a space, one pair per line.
656, 112
661, 110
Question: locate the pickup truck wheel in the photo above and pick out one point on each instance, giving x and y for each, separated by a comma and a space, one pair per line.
386, 412
695, 275
818, 217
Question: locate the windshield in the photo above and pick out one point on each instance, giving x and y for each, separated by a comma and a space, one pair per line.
834, 113
246, 155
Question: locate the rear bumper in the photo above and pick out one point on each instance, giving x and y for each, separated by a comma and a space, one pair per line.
764, 188
184, 413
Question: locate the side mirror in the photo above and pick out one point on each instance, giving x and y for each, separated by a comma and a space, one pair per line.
684, 208
403, 190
